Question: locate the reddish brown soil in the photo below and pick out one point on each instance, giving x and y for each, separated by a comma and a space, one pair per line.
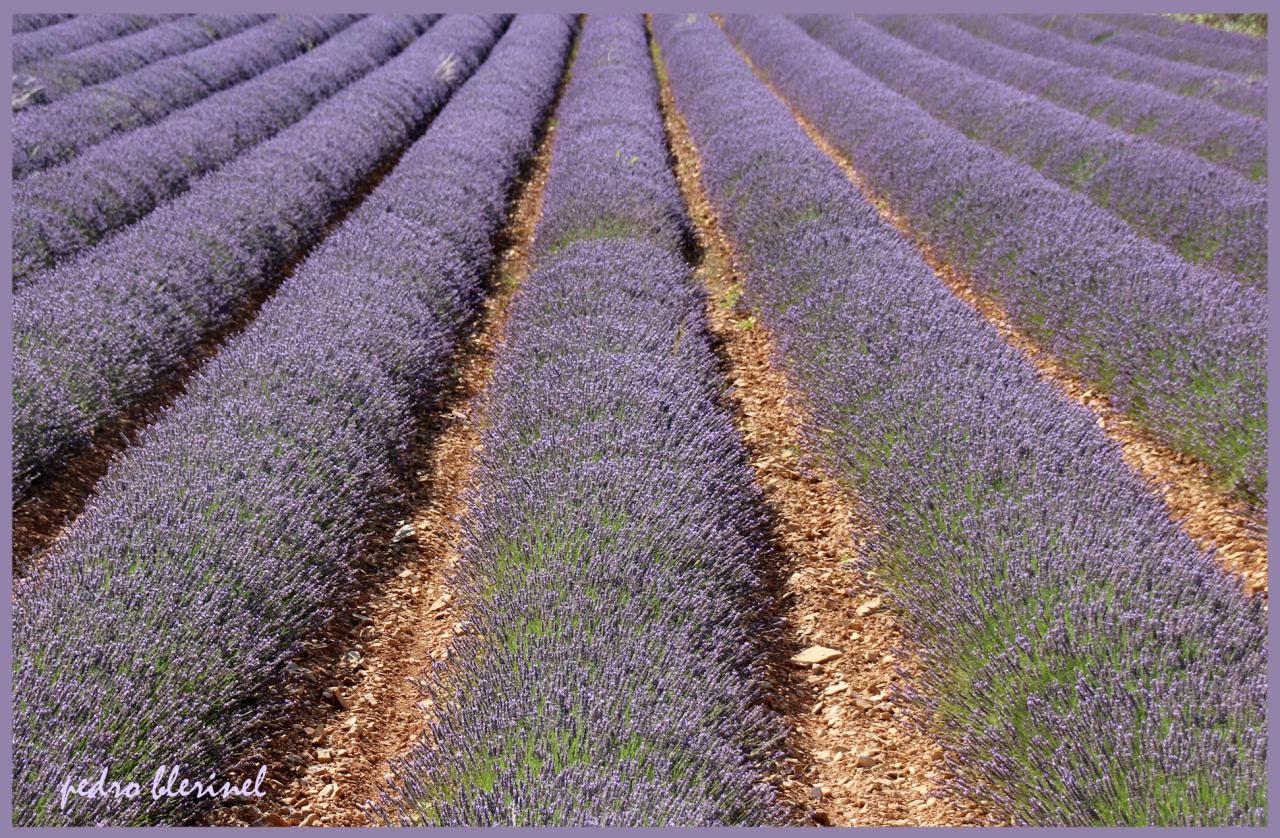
852, 758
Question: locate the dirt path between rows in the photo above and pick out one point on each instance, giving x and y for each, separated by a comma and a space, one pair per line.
1216, 521
356, 696
851, 759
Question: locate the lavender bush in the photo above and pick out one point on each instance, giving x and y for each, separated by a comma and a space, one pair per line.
62, 211
44, 137
1180, 348
613, 537
96, 334
78, 32
1177, 29
58, 76
1087, 664
32, 22
1204, 213
224, 535
1229, 139
1247, 96
1246, 62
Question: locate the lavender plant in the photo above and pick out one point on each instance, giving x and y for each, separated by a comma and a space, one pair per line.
1180, 348
1181, 30
1206, 214
32, 21
225, 535
78, 32
62, 211
612, 542
1251, 63
1226, 89
44, 137
63, 74
96, 334
1226, 138
1084, 661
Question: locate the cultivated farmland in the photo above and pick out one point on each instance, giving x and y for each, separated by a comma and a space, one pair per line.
650, 420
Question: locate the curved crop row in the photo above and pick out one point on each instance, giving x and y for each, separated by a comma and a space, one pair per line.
1180, 348
1245, 62
1229, 139
612, 544
32, 21
1205, 214
1169, 27
60, 75
47, 136
62, 211
1083, 660
95, 335
240, 510
1225, 89
76, 33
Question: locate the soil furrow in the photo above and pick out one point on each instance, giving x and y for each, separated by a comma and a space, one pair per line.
852, 757
333, 754
1216, 521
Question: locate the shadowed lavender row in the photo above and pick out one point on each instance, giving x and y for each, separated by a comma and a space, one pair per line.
1229, 139
96, 334
1180, 348
612, 543
1082, 659
58, 76
64, 210
32, 22
1245, 62
1207, 215
78, 32
1247, 96
224, 537
1182, 30
47, 136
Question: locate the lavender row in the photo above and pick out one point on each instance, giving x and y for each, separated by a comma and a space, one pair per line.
1207, 215
31, 22
1244, 62
47, 136
1083, 660
240, 511
1178, 347
78, 32
62, 211
1228, 139
612, 541
95, 335
1169, 27
1225, 89
59, 76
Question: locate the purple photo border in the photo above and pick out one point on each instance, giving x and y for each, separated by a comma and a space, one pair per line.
600, 6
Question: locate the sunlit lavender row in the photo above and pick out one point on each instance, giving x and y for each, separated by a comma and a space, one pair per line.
1083, 660
241, 509
47, 136
78, 32
1238, 93
613, 544
55, 77
1203, 212
62, 211
92, 338
1179, 347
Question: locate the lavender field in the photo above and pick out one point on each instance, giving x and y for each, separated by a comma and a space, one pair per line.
651, 420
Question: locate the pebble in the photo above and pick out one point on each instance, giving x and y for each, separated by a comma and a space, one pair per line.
272, 819
815, 655
404, 533
815, 792
866, 760
335, 695
869, 607
835, 688
324, 755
